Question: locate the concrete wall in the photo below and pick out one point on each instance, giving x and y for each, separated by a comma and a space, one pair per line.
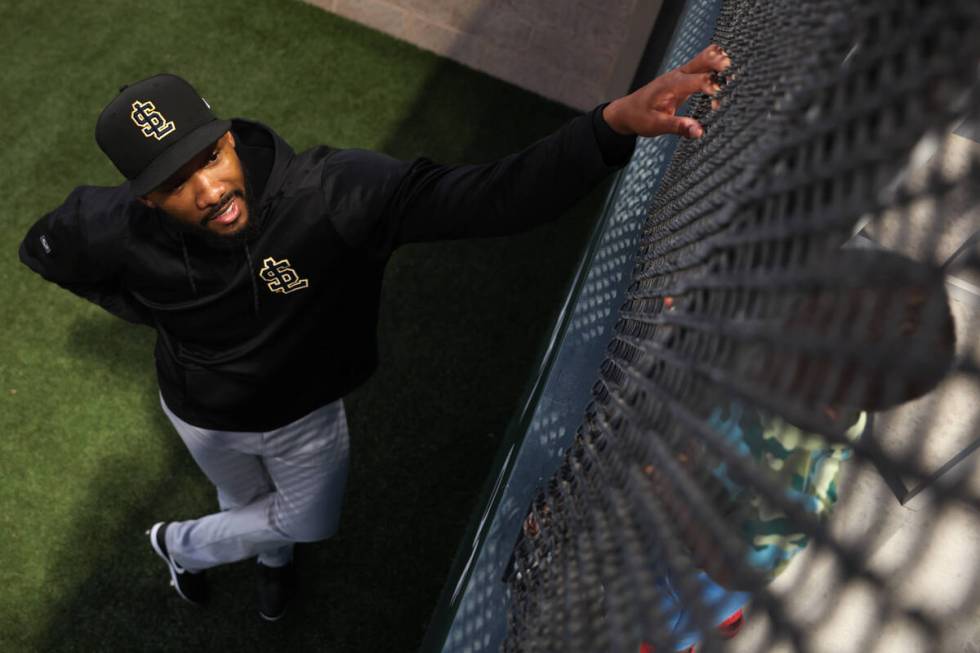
578, 52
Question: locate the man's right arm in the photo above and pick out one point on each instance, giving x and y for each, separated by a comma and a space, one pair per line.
73, 249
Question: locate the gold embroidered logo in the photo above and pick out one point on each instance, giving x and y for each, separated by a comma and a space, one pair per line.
280, 276
150, 121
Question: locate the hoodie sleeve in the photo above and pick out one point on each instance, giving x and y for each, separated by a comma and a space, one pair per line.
423, 201
76, 246
512, 194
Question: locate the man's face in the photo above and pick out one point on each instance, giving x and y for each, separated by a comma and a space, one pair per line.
208, 193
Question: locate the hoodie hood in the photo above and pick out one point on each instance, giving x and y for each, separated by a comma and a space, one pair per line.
265, 157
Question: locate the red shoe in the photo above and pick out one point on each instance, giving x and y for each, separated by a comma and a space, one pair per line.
730, 627
727, 629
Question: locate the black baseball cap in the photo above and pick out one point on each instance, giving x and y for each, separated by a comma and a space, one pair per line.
155, 126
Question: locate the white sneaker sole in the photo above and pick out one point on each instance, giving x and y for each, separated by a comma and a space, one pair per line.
268, 618
171, 565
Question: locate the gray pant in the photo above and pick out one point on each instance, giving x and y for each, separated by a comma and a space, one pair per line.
274, 488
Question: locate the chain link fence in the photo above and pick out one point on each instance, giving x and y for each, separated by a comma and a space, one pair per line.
776, 454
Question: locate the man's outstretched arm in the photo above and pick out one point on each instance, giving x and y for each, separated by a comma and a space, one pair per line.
541, 182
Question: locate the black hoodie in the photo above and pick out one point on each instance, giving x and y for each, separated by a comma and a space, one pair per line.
254, 333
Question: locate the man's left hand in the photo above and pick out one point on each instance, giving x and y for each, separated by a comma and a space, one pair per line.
651, 109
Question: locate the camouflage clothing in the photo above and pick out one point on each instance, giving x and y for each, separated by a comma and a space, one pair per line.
804, 463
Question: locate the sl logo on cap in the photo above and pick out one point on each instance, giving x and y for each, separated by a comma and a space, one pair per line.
150, 121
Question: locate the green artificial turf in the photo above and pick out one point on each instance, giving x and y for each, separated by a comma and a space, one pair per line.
87, 459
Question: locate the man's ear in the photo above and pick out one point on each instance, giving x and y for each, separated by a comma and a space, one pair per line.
231, 138
145, 201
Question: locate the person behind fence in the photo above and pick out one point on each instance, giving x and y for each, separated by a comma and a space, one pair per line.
260, 270
898, 308
901, 313
902, 310
893, 310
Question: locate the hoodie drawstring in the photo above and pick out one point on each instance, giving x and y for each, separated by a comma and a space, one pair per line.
251, 276
187, 265
189, 271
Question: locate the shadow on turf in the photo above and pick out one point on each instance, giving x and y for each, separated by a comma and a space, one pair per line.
461, 329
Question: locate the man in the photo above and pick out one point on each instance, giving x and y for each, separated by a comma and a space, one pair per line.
260, 270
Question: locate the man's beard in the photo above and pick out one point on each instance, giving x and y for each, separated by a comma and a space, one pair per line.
242, 234
200, 230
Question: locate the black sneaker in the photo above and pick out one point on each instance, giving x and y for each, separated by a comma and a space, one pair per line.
273, 589
191, 587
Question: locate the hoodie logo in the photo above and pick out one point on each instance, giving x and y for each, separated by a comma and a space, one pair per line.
151, 121
280, 276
